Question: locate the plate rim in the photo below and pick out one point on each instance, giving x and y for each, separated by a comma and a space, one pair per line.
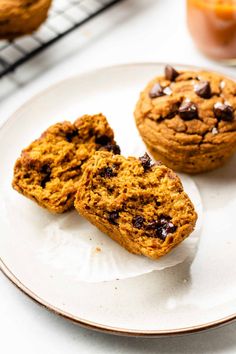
106, 328
75, 319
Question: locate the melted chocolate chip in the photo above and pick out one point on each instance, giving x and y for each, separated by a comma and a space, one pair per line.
113, 216
71, 135
223, 111
46, 171
203, 89
44, 181
156, 91
188, 111
138, 221
170, 73
152, 225
170, 228
161, 227
114, 148
103, 140
145, 161
107, 172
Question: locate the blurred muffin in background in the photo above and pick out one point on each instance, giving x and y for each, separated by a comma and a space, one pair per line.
20, 17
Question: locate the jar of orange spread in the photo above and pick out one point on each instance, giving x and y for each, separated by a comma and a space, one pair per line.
212, 24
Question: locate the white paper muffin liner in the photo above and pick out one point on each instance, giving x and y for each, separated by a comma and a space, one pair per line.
79, 250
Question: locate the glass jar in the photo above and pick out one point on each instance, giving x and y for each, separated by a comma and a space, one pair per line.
212, 24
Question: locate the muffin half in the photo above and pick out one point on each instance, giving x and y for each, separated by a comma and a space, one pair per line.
49, 169
140, 205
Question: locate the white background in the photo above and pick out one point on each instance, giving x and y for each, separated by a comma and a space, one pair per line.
132, 31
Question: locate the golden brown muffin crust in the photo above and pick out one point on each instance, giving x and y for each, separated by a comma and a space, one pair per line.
19, 17
173, 138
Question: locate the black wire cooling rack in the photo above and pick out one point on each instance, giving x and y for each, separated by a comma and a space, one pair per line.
64, 17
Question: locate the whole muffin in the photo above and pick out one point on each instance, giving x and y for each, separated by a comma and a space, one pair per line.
187, 119
19, 17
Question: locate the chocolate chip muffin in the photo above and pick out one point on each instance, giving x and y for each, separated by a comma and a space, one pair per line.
19, 17
49, 169
140, 205
187, 119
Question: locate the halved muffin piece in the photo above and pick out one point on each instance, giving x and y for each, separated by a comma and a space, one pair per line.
49, 169
140, 205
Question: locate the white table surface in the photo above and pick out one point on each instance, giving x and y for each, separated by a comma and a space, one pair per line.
132, 31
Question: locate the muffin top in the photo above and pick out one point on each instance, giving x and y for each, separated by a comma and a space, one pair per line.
188, 110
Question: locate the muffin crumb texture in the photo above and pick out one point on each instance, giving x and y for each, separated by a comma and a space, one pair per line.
49, 169
139, 204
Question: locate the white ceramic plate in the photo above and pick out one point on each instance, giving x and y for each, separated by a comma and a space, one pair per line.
185, 298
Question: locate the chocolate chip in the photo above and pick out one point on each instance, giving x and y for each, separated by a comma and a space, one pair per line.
170, 73
44, 181
164, 218
145, 161
188, 111
113, 216
102, 140
152, 225
161, 228
203, 89
114, 148
46, 171
156, 91
107, 172
138, 221
223, 111
170, 115
71, 135
170, 228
